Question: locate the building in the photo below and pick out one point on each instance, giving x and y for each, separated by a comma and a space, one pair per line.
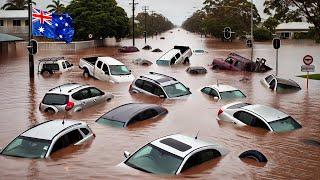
14, 22
8, 43
287, 30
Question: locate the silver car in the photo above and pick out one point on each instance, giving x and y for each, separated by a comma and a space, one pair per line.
280, 84
260, 116
72, 97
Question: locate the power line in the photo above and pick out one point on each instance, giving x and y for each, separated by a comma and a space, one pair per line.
133, 9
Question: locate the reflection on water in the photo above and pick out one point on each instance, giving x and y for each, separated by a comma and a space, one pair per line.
290, 157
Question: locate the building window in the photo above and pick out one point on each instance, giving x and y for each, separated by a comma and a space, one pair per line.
16, 23
26, 22
1, 22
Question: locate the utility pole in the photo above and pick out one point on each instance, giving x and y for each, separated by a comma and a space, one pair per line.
133, 9
31, 61
152, 13
252, 39
145, 8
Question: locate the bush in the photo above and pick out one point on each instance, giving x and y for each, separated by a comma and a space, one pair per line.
262, 34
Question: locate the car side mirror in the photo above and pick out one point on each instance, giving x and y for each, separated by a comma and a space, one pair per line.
129, 70
126, 154
106, 72
188, 89
162, 96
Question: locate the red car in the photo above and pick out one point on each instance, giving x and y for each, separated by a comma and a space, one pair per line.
236, 62
128, 49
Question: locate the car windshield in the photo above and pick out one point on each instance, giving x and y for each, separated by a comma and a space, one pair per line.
152, 159
119, 70
55, 99
286, 124
110, 122
176, 90
163, 62
27, 147
232, 94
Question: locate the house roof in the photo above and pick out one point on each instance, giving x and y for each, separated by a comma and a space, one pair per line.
11, 14
9, 38
294, 26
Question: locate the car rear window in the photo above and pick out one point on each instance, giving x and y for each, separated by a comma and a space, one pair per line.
163, 62
55, 99
176, 144
52, 66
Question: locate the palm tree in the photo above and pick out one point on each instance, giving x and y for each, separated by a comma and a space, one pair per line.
56, 6
16, 5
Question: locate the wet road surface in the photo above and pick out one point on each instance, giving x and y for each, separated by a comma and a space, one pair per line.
290, 155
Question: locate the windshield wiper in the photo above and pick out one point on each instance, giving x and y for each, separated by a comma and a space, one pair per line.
139, 168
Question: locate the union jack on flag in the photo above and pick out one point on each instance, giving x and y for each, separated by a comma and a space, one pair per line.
52, 25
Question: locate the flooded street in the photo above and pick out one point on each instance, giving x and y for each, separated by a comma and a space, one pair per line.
290, 156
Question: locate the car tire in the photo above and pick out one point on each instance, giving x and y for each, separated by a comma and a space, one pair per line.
254, 154
86, 73
50, 111
186, 61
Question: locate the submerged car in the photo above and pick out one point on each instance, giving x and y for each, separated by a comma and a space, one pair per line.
260, 116
46, 138
54, 65
72, 97
279, 84
177, 55
131, 113
128, 49
141, 61
224, 92
235, 62
172, 155
160, 85
196, 70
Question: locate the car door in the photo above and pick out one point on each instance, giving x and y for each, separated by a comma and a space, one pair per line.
96, 96
272, 84
148, 88
250, 120
105, 72
199, 157
84, 98
99, 73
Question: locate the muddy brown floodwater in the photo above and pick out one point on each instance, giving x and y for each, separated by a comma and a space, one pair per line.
290, 155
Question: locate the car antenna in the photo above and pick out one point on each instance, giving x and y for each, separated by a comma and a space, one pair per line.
197, 135
60, 88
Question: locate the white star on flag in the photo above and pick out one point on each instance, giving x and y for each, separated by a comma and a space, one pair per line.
66, 24
41, 29
56, 24
60, 36
61, 18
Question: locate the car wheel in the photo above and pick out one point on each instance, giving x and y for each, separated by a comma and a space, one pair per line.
86, 73
186, 61
254, 154
50, 111
215, 67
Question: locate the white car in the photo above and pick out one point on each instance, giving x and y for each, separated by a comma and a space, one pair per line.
172, 155
177, 55
54, 65
279, 84
105, 69
46, 138
72, 97
260, 116
224, 92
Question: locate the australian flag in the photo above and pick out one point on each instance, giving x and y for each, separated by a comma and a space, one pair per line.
52, 25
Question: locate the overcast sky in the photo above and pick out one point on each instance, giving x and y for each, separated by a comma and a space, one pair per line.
175, 10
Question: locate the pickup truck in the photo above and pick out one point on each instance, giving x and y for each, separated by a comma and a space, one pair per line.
177, 55
235, 62
105, 69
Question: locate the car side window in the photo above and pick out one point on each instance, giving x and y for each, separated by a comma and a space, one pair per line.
148, 86
245, 117
259, 123
201, 157
64, 65
139, 83
268, 79
105, 69
206, 90
51, 66
68, 64
214, 93
95, 92
229, 60
99, 64
237, 64
74, 136
61, 143
173, 60
272, 84
158, 91
177, 56
82, 94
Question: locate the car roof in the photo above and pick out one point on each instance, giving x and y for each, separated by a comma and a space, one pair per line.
287, 82
169, 54
190, 144
110, 61
239, 57
267, 113
53, 59
223, 87
161, 79
67, 88
49, 129
127, 111
197, 68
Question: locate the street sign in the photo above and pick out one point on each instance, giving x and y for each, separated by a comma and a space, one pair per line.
308, 60
276, 43
90, 36
227, 33
249, 43
32, 47
308, 68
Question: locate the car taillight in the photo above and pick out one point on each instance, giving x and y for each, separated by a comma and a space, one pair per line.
130, 87
220, 111
69, 105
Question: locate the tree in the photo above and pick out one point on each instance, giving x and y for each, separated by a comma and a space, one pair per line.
271, 23
16, 5
310, 9
262, 34
101, 18
56, 6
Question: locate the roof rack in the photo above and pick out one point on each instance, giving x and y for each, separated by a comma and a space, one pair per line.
77, 87
150, 79
61, 86
162, 75
51, 59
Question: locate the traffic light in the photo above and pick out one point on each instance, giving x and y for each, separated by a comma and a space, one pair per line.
276, 43
144, 33
249, 43
32, 47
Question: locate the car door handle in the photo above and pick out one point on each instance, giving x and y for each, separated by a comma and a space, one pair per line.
83, 103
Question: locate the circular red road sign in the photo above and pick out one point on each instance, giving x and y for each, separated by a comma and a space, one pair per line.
308, 60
